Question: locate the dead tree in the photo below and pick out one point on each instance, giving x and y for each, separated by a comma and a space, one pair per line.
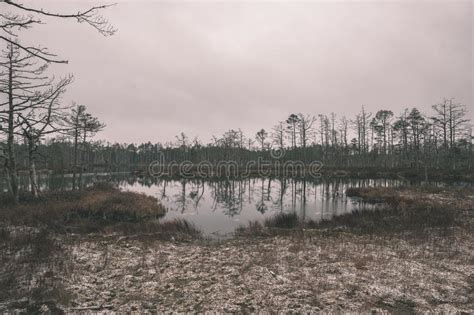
343, 131
26, 17
41, 119
441, 120
305, 128
21, 80
278, 135
450, 119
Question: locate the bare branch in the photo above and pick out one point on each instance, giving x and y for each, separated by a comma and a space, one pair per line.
89, 16
39, 53
10, 22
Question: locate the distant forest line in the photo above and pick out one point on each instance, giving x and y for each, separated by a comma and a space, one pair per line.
39, 132
439, 139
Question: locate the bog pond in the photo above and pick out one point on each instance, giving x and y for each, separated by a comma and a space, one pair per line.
218, 207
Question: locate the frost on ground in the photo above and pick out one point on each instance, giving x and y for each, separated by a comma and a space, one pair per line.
340, 272
306, 271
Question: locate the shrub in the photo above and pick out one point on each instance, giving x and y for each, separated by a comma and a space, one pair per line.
90, 209
283, 221
374, 194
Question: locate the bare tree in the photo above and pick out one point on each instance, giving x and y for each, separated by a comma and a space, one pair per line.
305, 128
324, 130
11, 23
343, 131
41, 119
344, 128
450, 119
261, 136
23, 81
441, 119
365, 121
182, 141
333, 130
457, 121
278, 135
241, 138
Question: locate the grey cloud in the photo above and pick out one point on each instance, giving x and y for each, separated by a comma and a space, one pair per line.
208, 66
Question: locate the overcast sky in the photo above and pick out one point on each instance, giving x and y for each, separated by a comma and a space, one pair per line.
205, 67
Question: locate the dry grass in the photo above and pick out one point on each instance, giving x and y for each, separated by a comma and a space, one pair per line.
35, 239
282, 222
358, 267
390, 219
31, 259
177, 229
398, 210
88, 211
100, 209
373, 194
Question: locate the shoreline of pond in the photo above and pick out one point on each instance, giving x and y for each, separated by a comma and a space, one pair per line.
287, 266
192, 172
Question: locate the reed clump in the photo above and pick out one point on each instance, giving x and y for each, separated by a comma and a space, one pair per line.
92, 209
396, 210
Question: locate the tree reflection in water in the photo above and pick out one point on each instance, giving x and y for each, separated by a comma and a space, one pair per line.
223, 204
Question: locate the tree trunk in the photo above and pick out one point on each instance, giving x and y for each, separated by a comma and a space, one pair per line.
74, 170
83, 153
7, 175
32, 165
11, 165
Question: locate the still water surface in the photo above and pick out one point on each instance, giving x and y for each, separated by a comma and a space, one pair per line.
217, 207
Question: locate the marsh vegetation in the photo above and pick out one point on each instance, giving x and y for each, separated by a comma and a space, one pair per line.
95, 255
384, 225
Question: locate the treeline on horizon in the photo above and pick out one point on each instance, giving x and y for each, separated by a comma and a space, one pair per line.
440, 139
37, 131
